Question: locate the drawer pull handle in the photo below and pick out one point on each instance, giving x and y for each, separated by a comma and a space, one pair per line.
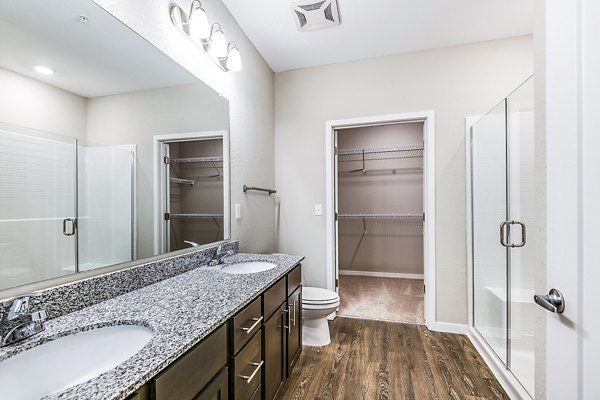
249, 378
257, 323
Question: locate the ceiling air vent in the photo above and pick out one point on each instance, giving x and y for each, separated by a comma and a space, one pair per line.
313, 14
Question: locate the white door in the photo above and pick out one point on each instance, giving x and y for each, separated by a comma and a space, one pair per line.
573, 192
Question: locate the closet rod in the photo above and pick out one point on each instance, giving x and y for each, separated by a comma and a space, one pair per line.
270, 191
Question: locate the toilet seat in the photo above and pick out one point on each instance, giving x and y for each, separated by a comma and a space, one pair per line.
315, 297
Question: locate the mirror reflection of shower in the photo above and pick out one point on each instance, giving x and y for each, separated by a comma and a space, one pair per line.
65, 207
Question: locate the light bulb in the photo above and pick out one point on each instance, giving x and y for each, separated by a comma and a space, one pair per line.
218, 44
198, 27
42, 69
234, 60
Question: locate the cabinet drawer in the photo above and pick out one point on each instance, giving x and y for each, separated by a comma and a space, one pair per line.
245, 324
294, 279
247, 369
184, 379
274, 296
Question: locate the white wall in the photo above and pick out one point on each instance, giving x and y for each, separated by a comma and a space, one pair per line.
34, 104
454, 82
250, 93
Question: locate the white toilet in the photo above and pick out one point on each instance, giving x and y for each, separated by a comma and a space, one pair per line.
317, 304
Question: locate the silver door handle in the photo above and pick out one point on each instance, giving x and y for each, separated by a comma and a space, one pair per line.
503, 236
73, 226
553, 301
294, 313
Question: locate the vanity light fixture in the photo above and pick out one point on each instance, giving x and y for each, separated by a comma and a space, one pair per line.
44, 70
234, 58
197, 25
216, 45
210, 38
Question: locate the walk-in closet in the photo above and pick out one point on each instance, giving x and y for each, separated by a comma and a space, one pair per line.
194, 214
380, 222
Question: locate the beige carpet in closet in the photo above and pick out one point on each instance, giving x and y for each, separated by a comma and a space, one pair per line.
387, 299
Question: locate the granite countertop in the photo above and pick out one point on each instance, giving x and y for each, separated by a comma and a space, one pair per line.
181, 311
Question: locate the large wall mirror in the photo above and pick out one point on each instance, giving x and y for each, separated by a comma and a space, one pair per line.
110, 151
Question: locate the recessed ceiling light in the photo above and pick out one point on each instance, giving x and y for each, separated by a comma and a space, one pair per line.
42, 69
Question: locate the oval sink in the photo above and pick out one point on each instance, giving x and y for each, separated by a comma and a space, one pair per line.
69, 360
249, 267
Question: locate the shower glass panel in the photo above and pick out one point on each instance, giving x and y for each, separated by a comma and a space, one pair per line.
106, 206
37, 207
489, 209
524, 199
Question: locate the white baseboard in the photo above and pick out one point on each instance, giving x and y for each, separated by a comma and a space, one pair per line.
448, 328
398, 275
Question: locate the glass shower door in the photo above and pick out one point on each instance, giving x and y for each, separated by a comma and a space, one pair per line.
38, 235
526, 205
489, 210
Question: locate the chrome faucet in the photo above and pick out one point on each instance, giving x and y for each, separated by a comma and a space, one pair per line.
220, 253
18, 323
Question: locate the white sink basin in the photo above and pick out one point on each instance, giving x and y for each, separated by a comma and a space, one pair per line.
249, 267
69, 360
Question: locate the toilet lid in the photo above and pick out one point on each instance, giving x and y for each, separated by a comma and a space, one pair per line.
312, 295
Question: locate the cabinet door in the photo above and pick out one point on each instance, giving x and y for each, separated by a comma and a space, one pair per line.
217, 389
294, 342
275, 329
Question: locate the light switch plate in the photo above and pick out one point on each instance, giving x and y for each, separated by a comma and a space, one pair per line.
238, 211
318, 209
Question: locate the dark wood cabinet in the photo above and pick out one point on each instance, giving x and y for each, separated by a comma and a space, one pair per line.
275, 330
294, 340
217, 389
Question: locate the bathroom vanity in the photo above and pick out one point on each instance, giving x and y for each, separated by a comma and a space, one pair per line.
216, 335
248, 357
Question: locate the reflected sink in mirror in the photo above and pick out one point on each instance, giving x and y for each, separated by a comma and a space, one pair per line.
69, 360
249, 267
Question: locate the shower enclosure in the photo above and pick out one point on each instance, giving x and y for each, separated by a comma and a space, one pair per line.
64, 208
506, 229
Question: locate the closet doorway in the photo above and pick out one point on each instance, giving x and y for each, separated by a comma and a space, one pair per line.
379, 194
191, 190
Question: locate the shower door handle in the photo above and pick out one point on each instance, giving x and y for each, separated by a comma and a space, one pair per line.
504, 236
73, 227
553, 301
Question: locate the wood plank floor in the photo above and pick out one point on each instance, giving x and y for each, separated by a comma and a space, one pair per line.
390, 361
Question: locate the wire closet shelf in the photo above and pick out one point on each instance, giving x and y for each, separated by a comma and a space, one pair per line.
384, 153
401, 218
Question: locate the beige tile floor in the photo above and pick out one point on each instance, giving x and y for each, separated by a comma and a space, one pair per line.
386, 299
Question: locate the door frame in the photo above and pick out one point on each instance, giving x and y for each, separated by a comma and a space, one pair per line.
428, 119
159, 183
